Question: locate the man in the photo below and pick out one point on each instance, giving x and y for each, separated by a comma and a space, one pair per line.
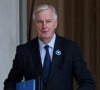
65, 60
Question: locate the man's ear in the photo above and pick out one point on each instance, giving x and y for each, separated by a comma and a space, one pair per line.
55, 24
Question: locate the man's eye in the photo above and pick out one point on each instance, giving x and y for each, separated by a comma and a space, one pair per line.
39, 21
49, 21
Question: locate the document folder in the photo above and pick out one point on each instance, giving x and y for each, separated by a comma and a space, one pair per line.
26, 85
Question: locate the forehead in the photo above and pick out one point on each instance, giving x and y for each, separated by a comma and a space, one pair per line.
44, 14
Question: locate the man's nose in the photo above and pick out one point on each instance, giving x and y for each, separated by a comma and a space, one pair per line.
44, 24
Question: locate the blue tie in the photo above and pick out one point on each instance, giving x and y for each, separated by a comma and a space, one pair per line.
47, 63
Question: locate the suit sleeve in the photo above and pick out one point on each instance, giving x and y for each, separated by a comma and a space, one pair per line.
81, 72
15, 75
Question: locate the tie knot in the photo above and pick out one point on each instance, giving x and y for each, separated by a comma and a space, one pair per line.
46, 47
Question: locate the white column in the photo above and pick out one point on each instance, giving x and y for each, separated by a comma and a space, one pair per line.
9, 35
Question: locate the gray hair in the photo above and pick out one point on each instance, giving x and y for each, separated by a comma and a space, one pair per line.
44, 7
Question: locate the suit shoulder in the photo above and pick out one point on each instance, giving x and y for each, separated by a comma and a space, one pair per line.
27, 44
69, 45
66, 41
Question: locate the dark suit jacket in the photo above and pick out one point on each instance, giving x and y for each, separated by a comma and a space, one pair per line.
64, 67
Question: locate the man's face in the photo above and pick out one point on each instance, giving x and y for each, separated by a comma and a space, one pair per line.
45, 25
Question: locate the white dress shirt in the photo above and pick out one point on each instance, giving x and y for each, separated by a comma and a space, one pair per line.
43, 51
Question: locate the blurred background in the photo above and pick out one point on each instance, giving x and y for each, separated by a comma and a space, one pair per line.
78, 20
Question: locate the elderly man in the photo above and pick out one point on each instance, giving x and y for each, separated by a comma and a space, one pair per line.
53, 58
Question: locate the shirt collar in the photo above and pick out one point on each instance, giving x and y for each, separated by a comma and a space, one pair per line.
51, 43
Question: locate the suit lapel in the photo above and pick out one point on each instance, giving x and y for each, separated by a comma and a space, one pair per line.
36, 57
57, 57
